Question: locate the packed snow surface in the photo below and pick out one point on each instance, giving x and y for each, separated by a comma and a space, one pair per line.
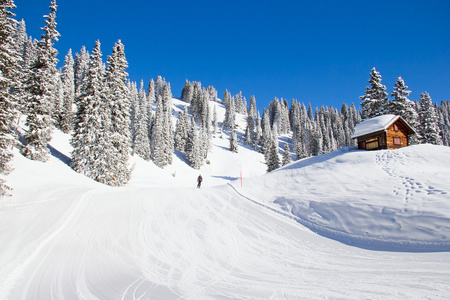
347, 225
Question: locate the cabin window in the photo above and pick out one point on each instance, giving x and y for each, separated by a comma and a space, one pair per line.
397, 141
395, 128
372, 144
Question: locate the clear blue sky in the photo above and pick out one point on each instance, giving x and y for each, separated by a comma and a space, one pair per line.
318, 52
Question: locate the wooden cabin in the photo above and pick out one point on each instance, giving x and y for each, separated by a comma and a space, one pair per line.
383, 132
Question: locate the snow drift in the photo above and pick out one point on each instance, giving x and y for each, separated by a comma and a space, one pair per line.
384, 200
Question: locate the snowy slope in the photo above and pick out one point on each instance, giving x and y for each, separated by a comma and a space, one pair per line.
63, 236
384, 200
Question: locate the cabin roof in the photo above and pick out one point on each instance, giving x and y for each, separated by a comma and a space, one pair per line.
377, 124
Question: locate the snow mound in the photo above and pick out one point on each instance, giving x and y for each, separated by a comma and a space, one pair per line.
396, 200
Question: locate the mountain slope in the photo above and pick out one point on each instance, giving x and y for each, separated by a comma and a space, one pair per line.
64, 236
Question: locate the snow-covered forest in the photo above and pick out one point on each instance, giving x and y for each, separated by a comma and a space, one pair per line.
99, 199
111, 117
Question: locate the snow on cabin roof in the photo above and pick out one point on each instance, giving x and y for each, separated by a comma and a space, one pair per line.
373, 125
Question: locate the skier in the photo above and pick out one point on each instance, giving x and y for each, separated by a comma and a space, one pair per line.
199, 180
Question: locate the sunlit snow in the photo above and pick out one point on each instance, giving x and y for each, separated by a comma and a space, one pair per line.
346, 225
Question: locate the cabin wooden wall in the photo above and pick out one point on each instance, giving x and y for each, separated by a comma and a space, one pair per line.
379, 137
401, 133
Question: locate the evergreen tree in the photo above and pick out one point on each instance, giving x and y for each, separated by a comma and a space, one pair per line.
134, 109
286, 155
230, 113
68, 81
205, 142
157, 138
249, 137
182, 130
40, 89
374, 101
9, 63
444, 122
187, 91
428, 127
151, 93
159, 85
90, 141
168, 125
316, 140
81, 68
258, 133
252, 107
58, 101
233, 141
402, 106
273, 160
215, 121
193, 148
141, 141
119, 102
266, 134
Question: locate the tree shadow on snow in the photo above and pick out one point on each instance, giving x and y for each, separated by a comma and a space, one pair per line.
62, 157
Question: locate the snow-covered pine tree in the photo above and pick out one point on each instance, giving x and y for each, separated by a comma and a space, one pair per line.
266, 139
316, 140
20, 38
233, 141
119, 103
374, 101
168, 124
9, 64
273, 160
80, 68
274, 111
205, 111
157, 139
258, 133
58, 100
427, 128
286, 155
212, 93
444, 122
135, 107
159, 85
240, 103
252, 107
230, 113
141, 141
182, 130
193, 148
400, 105
215, 120
249, 137
151, 93
204, 142
18, 45
187, 92
67, 78
285, 124
91, 147
347, 123
40, 92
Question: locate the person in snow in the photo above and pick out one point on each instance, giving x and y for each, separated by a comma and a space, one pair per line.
199, 180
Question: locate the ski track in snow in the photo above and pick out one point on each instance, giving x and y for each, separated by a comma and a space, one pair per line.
206, 244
